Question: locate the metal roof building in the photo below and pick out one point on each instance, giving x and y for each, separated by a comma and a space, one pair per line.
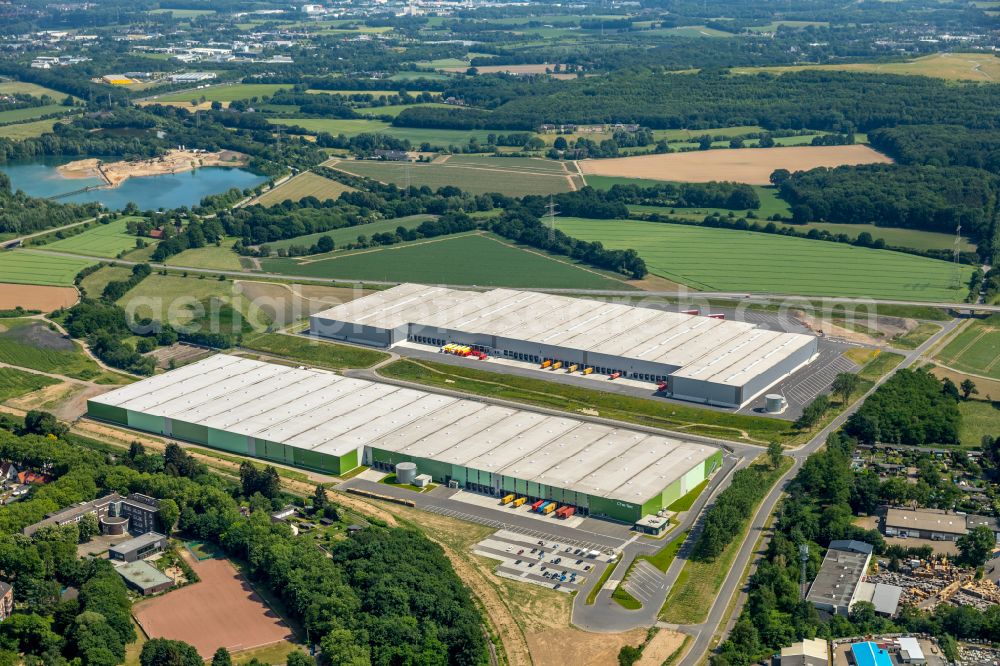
319, 420
700, 358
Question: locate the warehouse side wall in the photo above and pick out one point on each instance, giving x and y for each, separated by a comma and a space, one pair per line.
356, 333
104, 412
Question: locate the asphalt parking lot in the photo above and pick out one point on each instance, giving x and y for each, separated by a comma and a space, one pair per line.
553, 564
644, 582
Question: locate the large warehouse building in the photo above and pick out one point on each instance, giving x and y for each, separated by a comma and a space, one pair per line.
718, 362
322, 421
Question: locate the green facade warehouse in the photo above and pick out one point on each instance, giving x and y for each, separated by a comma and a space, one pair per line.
322, 421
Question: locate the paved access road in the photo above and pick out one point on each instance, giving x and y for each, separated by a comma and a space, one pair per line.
704, 632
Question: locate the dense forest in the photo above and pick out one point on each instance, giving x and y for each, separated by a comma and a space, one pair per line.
913, 197
21, 214
912, 407
823, 100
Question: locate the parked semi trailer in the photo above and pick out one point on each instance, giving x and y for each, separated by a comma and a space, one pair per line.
534, 507
548, 508
507, 499
543, 505
519, 501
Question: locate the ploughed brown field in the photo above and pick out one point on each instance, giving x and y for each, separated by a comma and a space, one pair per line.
741, 165
36, 297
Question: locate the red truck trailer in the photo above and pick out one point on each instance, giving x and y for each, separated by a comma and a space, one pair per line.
534, 507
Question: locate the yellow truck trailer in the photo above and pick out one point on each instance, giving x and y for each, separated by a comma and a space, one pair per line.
507, 499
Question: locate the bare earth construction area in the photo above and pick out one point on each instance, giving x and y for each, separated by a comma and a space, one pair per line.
174, 161
742, 165
219, 610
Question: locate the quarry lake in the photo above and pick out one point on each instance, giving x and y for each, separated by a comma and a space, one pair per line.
40, 178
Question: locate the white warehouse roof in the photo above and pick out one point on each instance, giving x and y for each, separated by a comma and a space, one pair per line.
321, 411
712, 350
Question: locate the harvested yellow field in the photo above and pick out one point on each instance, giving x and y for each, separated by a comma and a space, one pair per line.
742, 165
306, 184
950, 66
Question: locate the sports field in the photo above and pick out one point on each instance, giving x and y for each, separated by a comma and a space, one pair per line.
730, 260
951, 66
221, 610
416, 135
738, 165
101, 240
306, 184
223, 93
976, 349
27, 267
511, 176
464, 259
346, 235
15, 383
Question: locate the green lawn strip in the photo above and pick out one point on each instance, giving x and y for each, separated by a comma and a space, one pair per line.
916, 337
880, 365
312, 351
665, 556
15, 383
654, 413
691, 596
282, 472
624, 599
599, 585
975, 349
686, 502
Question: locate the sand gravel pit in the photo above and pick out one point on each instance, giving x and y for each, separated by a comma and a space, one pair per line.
36, 297
742, 165
659, 649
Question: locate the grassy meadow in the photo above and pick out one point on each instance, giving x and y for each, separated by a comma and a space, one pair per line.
27, 267
101, 240
976, 349
306, 184
347, 235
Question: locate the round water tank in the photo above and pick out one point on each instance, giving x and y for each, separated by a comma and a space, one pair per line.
406, 472
114, 525
774, 403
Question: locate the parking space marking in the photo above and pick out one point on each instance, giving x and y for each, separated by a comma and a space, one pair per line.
644, 582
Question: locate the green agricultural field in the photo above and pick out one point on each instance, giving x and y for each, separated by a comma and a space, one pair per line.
27, 267
396, 109
466, 259
477, 178
770, 204
224, 92
979, 419
306, 184
983, 67
373, 93
221, 257
692, 134
182, 300
95, 283
416, 135
183, 13
347, 235
526, 164
730, 260
15, 383
918, 240
21, 115
101, 240
20, 131
976, 349
10, 87
30, 343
